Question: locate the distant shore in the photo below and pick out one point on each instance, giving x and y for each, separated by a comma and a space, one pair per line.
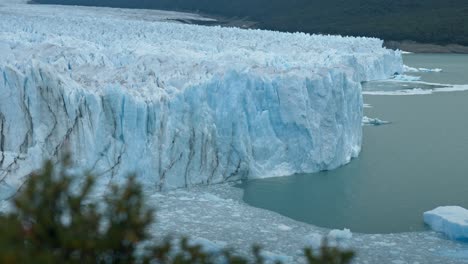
247, 23
412, 46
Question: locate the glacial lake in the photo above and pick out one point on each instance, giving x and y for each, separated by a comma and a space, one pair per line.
414, 164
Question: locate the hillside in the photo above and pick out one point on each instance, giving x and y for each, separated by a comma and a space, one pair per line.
429, 21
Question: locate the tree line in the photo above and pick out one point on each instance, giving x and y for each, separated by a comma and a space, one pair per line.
429, 21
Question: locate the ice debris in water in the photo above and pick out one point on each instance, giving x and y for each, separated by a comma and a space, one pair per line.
336, 237
208, 246
373, 121
411, 69
244, 226
450, 220
406, 78
340, 235
271, 258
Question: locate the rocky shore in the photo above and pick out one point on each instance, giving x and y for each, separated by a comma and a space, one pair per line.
416, 47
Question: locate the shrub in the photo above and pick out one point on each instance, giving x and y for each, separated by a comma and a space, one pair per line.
54, 220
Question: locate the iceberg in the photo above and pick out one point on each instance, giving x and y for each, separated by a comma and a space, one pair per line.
179, 105
450, 220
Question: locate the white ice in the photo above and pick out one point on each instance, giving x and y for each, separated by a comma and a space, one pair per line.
441, 88
406, 78
373, 121
412, 69
179, 105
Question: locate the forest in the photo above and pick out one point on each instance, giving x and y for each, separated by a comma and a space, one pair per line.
429, 21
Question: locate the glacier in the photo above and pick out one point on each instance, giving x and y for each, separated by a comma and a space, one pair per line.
179, 105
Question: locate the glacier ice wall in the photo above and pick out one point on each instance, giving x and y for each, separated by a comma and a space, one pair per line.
179, 105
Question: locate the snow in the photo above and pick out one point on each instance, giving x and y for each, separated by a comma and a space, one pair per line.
179, 105
450, 220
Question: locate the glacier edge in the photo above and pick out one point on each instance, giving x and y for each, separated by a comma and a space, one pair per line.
135, 107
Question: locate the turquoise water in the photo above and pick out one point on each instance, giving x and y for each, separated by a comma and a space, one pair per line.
418, 162
455, 67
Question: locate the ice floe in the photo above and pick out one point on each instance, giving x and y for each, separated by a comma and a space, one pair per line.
450, 220
373, 121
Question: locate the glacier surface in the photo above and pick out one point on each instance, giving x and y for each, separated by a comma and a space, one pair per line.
179, 105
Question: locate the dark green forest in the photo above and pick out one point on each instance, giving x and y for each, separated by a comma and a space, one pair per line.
428, 21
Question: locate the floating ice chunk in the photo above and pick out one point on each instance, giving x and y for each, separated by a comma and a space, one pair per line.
453, 88
430, 70
373, 121
438, 88
284, 227
415, 91
450, 220
340, 235
367, 106
411, 69
406, 78
313, 241
339, 238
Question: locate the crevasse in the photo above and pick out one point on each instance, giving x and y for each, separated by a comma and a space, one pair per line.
178, 105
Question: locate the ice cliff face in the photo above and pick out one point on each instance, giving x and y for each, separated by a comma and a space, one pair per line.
177, 104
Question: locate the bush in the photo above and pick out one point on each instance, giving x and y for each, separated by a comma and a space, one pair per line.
54, 220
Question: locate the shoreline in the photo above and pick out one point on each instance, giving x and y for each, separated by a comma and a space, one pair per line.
416, 47
280, 236
246, 23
